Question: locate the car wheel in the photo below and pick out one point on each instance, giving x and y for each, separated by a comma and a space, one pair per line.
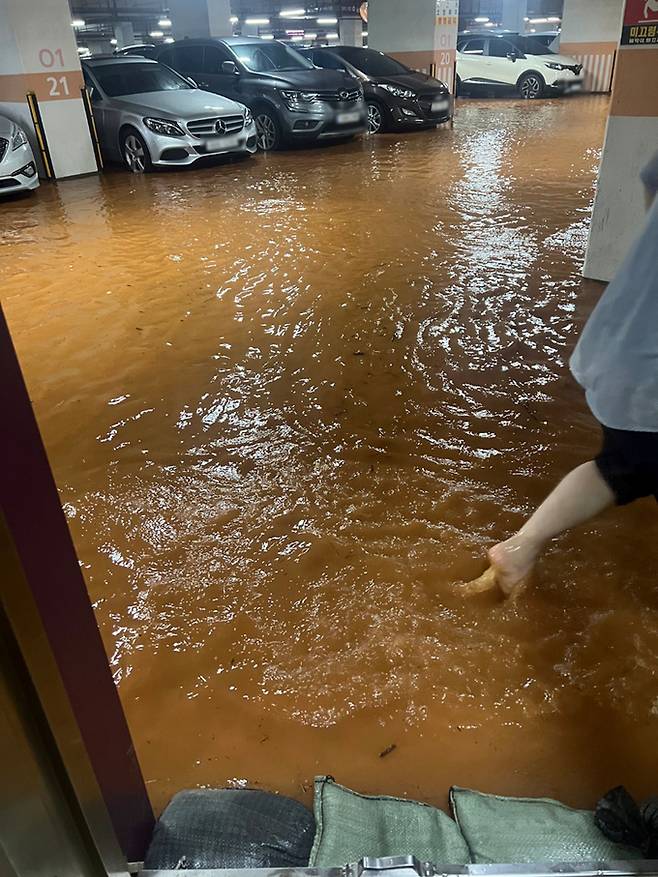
268, 130
531, 86
376, 121
136, 155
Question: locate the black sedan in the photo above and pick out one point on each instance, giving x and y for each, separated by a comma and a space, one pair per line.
397, 97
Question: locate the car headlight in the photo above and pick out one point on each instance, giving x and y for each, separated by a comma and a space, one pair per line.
164, 126
248, 117
299, 99
555, 66
18, 138
397, 91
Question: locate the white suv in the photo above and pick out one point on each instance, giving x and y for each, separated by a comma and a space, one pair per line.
513, 61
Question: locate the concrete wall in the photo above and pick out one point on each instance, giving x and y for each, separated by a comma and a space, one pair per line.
591, 32
401, 27
631, 140
592, 21
421, 34
619, 206
200, 18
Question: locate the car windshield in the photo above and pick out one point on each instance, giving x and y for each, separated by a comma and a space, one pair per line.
263, 57
120, 79
373, 63
529, 45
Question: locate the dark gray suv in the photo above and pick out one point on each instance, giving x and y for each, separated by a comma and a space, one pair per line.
290, 98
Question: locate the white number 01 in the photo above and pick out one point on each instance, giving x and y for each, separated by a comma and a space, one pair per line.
58, 85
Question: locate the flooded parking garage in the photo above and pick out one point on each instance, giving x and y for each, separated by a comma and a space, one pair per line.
289, 402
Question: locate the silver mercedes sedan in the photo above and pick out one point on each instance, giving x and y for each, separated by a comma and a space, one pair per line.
146, 115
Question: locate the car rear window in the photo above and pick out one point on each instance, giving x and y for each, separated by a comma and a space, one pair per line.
530, 45
373, 63
121, 79
263, 57
500, 48
471, 47
328, 60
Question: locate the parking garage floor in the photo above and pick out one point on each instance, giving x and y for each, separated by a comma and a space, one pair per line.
289, 402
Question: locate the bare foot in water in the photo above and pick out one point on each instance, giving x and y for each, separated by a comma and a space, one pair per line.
512, 562
486, 582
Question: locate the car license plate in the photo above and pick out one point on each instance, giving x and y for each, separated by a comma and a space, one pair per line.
348, 118
439, 105
217, 144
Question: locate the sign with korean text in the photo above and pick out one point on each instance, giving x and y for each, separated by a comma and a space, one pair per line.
445, 39
640, 23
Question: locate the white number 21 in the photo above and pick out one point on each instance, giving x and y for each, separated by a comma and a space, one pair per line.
58, 85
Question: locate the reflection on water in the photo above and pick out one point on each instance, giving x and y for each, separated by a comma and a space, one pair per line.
288, 403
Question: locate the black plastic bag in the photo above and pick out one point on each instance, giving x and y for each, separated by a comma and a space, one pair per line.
231, 828
621, 820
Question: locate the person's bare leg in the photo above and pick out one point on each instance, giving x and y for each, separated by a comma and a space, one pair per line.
582, 495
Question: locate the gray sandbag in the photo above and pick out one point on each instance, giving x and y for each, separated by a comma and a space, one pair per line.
351, 826
511, 831
231, 828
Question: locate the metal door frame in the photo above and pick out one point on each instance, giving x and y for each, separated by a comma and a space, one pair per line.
45, 600
409, 866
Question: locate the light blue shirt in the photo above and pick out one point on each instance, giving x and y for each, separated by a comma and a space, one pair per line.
616, 358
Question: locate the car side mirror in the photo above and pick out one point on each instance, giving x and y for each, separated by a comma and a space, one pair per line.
512, 56
230, 67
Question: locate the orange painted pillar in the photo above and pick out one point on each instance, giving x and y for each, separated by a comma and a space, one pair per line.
590, 33
38, 54
631, 140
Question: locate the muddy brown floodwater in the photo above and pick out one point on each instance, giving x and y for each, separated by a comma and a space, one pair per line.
289, 402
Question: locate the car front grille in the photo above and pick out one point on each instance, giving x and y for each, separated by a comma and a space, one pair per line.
3, 147
210, 128
426, 100
348, 95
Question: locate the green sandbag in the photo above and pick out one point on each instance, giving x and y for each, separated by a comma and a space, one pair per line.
350, 826
511, 831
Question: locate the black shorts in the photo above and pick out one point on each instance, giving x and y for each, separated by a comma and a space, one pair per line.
629, 463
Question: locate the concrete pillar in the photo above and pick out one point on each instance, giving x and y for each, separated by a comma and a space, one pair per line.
38, 54
350, 32
514, 14
423, 35
591, 34
189, 18
101, 47
124, 34
250, 30
631, 140
200, 18
219, 18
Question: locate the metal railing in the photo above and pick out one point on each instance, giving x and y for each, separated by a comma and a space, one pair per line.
408, 866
